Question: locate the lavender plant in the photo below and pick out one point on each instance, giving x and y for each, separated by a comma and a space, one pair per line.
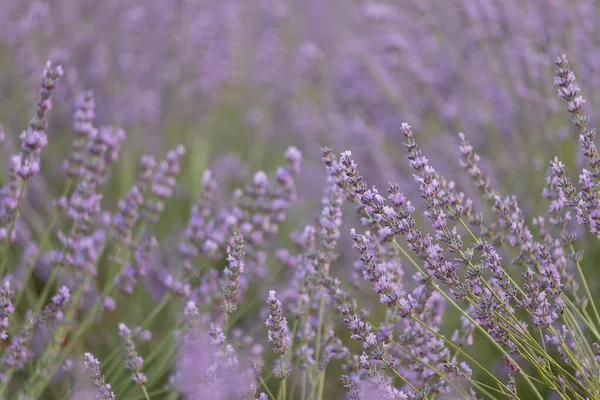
309, 278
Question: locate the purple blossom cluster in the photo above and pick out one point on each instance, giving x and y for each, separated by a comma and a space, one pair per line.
279, 333
213, 267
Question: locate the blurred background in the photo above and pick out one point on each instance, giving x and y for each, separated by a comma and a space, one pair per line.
237, 81
251, 77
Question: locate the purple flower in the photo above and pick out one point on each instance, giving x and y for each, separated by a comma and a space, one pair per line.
34, 139
6, 308
279, 333
103, 389
134, 362
232, 273
83, 126
163, 184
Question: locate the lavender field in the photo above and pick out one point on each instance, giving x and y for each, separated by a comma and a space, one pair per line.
299, 199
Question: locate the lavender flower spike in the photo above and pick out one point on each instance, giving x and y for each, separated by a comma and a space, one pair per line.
569, 91
6, 308
279, 333
34, 139
134, 361
232, 274
83, 127
103, 389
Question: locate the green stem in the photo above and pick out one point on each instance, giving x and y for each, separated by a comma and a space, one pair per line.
321, 385
46, 291
587, 289
40, 382
449, 342
303, 388
444, 377
155, 392
149, 319
266, 388
11, 227
466, 315
314, 387
145, 392
47, 364
320, 330
403, 379
294, 329
283, 389
43, 244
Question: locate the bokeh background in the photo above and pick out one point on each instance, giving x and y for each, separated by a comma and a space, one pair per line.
237, 81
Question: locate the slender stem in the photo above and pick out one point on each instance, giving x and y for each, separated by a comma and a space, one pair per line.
283, 381
439, 336
576, 360
39, 381
551, 360
154, 374
303, 389
403, 379
149, 319
47, 364
320, 330
321, 384
587, 289
155, 392
46, 291
294, 329
226, 324
466, 315
585, 316
444, 377
583, 338
149, 365
266, 388
11, 226
313, 392
145, 392
43, 244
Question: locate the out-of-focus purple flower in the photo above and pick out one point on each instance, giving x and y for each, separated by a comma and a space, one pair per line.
109, 304
125, 219
103, 146
139, 265
163, 183
134, 362
143, 334
20, 352
6, 308
85, 113
207, 365
81, 245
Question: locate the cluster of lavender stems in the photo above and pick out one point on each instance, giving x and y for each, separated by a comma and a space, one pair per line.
383, 292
